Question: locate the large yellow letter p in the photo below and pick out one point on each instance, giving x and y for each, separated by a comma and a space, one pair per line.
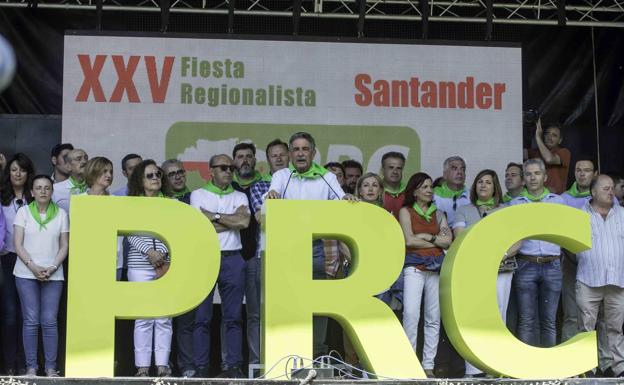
95, 299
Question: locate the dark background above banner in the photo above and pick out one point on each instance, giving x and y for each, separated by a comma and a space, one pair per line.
563, 67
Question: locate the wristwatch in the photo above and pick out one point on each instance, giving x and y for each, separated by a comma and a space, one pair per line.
216, 218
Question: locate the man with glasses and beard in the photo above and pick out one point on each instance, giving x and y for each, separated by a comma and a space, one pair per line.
228, 211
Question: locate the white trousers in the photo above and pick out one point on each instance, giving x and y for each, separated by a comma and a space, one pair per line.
417, 282
503, 291
158, 330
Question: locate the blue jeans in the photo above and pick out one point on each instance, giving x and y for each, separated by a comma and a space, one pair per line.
231, 281
40, 304
537, 287
252, 297
10, 316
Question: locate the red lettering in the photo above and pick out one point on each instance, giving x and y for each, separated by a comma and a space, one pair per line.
91, 78
499, 90
430, 95
124, 79
484, 96
465, 97
399, 93
364, 98
158, 88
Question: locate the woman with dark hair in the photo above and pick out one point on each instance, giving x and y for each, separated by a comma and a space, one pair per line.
41, 237
14, 193
486, 196
426, 235
148, 259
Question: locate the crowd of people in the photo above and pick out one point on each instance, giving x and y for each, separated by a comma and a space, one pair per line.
533, 274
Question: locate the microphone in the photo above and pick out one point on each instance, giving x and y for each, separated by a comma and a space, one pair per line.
328, 185
287, 182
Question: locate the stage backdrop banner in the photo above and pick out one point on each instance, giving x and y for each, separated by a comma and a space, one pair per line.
192, 98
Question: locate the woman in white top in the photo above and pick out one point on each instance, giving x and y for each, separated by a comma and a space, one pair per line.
14, 193
147, 260
41, 239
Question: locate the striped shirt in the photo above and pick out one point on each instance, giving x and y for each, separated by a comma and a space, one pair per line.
603, 264
139, 246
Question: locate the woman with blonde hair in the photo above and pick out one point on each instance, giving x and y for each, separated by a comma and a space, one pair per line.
98, 175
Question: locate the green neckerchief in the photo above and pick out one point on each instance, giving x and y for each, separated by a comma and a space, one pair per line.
160, 195
576, 193
532, 198
51, 213
395, 192
77, 187
214, 189
257, 176
180, 194
507, 198
444, 191
426, 216
267, 178
314, 172
488, 203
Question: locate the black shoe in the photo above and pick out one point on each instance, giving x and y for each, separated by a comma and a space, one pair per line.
233, 372
202, 372
608, 372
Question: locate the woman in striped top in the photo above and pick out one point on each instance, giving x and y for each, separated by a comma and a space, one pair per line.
147, 260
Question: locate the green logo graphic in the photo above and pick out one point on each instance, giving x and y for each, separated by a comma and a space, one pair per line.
195, 142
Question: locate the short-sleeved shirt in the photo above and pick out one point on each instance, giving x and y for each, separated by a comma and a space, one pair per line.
557, 174
42, 244
451, 205
229, 240
468, 215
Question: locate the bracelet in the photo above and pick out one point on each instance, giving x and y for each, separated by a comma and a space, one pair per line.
29, 261
55, 267
433, 239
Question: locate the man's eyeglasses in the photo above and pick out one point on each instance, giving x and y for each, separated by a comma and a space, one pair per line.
224, 167
179, 173
153, 175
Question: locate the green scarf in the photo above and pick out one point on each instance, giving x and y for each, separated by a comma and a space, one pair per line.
180, 194
214, 189
444, 191
575, 192
426, 216
533, 198
395, 192
51, 213
507, 198
488, 203
160, 195
314, 172
257, 176
77, 187
267, 178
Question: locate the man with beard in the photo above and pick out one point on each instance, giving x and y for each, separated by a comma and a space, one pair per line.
57, 157
353, 172
392, 164
245, 176
75, 184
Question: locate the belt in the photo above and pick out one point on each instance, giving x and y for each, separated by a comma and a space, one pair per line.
228, 253
540, 259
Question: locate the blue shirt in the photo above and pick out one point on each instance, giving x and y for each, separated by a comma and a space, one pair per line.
121, 192
576, 202
532, 246
603, 264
